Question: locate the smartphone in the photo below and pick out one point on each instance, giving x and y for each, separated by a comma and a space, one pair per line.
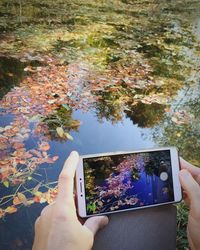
121, 181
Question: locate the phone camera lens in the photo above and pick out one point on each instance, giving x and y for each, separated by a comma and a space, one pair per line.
80, 179
81, 195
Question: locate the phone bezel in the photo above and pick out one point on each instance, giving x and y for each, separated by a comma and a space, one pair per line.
80, 185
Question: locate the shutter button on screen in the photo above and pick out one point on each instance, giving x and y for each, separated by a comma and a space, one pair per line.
164, 176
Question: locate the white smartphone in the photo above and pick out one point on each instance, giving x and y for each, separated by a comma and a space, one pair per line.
120, 181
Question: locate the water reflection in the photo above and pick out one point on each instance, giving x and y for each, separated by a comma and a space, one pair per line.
11, 73
138, 57
107, 137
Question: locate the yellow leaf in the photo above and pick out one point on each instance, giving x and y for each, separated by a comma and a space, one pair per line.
69, 136
16, 201
22, 198
60, 131
10, 209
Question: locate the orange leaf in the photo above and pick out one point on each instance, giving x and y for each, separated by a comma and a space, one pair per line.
44, 146
36, 199
2, 212
18, 145
55, 158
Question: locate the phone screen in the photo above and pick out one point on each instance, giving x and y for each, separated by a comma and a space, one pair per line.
125, 181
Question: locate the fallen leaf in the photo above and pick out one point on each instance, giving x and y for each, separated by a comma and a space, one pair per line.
36, 199
38, 194
51, 101
18, 145
44, 146
10, 210
16, 201
22, 198
60, 132
68, 136
6, 183
66, 106
55, 158
2, 212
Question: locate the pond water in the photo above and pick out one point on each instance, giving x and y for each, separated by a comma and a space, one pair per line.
93, 77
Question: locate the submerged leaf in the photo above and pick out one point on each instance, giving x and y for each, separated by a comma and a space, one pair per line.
6, 184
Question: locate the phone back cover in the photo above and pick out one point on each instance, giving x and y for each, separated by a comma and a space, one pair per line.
146, 229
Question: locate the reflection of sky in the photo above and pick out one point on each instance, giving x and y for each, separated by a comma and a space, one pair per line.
96, 137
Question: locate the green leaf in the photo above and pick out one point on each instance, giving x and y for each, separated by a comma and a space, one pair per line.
66, 106
6, 184
91, 207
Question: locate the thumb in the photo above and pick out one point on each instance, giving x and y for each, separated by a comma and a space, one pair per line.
96, 223
191, 187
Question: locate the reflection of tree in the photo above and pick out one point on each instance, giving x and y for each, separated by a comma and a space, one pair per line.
146, 115
62, 117
150, 167
184, 136
89, 180
11, 72
135, 174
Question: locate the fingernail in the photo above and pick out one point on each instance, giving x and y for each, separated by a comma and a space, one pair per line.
73, 153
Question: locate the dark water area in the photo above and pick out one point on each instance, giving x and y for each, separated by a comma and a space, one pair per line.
11, 73
112, 76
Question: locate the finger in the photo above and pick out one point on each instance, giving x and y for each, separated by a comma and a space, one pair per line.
198, 179
192, 169
186, 199
37, 233
66, 179
96, 223
37, 224
192, 189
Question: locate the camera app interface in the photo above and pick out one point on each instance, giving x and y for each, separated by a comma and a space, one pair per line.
125, 181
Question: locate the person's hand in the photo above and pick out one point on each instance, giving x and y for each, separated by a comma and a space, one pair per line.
58, 227
190, 182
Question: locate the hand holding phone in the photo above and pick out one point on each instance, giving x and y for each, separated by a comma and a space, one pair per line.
115, 182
